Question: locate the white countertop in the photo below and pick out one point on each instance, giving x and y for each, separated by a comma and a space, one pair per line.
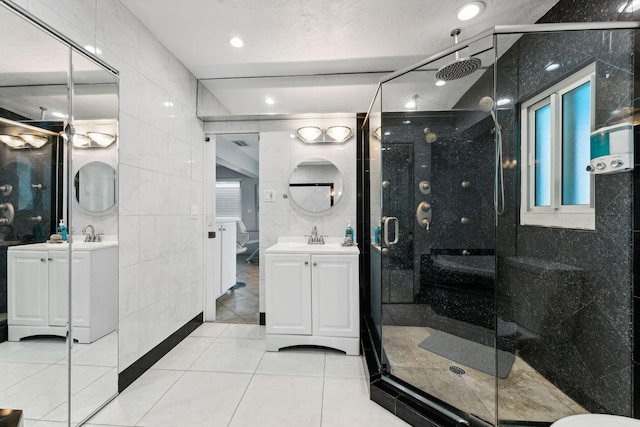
332, 246
77, 245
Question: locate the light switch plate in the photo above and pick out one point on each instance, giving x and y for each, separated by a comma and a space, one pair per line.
269, 195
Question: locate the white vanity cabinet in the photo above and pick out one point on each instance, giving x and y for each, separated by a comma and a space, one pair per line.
312, 296
37, 290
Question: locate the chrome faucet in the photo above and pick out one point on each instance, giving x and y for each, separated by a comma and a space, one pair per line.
314, 239
91, 237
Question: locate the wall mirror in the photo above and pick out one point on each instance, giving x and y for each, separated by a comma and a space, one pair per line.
316, 185
95, 187
50, 378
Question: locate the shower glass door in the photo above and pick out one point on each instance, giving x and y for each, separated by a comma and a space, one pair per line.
437, 168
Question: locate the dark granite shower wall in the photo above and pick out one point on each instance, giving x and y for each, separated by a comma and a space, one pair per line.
463, 151
21, 169
579, 309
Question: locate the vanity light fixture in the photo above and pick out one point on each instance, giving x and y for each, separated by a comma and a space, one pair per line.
102, 139
81, 141
34, 140
470, 10
13, 141
315, 135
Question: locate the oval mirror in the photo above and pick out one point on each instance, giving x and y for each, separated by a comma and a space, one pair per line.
95, 187
316, 185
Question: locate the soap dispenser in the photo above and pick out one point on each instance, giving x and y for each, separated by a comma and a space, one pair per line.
62, 230
377, 234
348, 234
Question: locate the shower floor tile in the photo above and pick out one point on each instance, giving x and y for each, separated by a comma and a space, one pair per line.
524, 395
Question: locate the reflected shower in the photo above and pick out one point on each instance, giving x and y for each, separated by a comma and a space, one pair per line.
460, 67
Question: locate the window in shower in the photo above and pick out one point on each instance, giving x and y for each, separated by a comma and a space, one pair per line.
556, 126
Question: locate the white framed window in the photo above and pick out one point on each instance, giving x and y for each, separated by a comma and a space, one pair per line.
228, 200
556, 189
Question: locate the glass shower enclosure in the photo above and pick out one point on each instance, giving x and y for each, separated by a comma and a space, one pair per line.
501, 281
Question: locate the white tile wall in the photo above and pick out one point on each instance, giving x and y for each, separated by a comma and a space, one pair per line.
161, 170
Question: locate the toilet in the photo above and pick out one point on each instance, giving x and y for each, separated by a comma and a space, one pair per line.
596, 420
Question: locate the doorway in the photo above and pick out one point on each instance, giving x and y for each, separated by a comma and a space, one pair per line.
232, 255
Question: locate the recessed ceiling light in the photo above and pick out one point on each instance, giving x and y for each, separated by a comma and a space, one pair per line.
168, 104
236, 42
470, 10
440, 83
503, 101
270, 101
629, 7
552, 66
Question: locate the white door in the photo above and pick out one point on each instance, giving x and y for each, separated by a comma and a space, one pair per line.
288, 294
27, 288
58, 288
335, 295
228, 249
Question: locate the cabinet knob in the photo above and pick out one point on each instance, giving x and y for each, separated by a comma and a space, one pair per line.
306, 263
42, 260
50, 259
315, 264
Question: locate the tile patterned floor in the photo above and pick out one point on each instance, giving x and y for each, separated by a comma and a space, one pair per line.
221, 375
523, 395
241, 305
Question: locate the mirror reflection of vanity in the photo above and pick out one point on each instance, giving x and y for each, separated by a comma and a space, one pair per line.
316, 185
51, 378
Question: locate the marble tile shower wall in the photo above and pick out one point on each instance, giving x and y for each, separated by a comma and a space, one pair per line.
279, 154
588, 329
161, 171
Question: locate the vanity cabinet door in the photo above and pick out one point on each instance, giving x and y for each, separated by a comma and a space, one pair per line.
335, 295
81, 284
28, 288
58, 287
288, 294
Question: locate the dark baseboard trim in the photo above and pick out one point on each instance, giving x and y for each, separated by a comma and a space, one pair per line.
263, 318
140, 366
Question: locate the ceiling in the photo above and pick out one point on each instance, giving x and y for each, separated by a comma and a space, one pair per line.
312, 56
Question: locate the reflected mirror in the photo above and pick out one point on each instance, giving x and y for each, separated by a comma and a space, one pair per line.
315, 185
94, 356
95, 187
36, 358
34, 308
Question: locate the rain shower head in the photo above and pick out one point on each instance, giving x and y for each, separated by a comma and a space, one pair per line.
460, 67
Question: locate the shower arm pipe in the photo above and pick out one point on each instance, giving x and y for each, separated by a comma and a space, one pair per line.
504, 30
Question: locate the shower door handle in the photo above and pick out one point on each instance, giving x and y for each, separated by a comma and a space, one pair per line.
388, 220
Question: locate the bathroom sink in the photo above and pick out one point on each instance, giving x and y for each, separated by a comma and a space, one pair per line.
330, 247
